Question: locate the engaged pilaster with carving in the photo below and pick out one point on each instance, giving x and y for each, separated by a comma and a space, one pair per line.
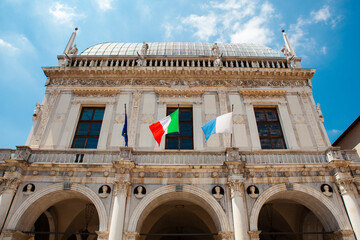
344, 181
44, 116
134, 117
121, 187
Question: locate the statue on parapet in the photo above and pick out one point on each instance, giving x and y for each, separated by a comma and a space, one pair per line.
215, 50
289, 57
141, 57
73, 50
144, 49
318, 109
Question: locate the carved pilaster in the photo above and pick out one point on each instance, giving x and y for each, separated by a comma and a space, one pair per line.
44, 115
254, 235
312, 120
131, 236
134, 117
223, 109
102, 235
225, 236
121, 188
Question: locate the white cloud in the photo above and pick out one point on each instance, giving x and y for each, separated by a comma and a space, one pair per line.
8, 46
324, 50
205, 25
322, 15
64, 14
231, 20
104, 4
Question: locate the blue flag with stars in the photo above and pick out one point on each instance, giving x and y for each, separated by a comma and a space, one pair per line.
124, 131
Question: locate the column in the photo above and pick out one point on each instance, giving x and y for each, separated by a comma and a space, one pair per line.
224, 109
239, 210
7, 194
118, 210
344, 182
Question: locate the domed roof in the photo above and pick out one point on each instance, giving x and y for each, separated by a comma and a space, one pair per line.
180, 49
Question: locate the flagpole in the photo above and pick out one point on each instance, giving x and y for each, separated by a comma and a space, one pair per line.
232, 127
179, 133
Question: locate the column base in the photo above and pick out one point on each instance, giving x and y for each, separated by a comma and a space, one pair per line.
254, 235
341, 235
131, 236
15, 235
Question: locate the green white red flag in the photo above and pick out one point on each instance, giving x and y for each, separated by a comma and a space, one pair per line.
169, 124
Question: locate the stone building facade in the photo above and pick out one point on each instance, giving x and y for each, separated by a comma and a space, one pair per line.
276, 177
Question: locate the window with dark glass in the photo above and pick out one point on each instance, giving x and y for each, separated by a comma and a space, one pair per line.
183, 139
88, 128
269, 128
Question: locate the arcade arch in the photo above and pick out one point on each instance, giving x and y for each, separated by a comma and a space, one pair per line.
74, 210
166, 210
310, 205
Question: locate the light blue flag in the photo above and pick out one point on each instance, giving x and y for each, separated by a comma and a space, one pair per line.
221, 124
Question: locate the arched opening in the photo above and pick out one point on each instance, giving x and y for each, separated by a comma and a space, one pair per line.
284, 219
176, 207
178, 220
61, 214
312, 212
68, 219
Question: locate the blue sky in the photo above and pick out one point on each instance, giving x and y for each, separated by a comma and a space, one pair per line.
32, 33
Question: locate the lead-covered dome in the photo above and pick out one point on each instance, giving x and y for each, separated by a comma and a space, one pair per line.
180, 49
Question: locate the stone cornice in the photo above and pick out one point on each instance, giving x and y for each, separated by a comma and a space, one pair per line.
262, 92
179, 91
95, 91
131, 72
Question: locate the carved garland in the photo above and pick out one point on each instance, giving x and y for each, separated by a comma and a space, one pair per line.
95, 92
179, 92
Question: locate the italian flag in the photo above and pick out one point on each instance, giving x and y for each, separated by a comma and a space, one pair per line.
169, 124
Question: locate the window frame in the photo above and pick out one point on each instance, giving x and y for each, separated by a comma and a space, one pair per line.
88, 136
268, 122
179, 137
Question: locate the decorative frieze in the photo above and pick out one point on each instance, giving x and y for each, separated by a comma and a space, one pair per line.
95, 92
262, 92
187, 92
243, 83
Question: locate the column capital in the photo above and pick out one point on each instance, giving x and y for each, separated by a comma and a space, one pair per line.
121, 187
10, 184
344, 182
236, 187
131, 236
225, 236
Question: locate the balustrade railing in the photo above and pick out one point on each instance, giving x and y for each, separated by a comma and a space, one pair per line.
174, 157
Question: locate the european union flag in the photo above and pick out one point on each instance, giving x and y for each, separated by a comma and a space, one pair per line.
124, 131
